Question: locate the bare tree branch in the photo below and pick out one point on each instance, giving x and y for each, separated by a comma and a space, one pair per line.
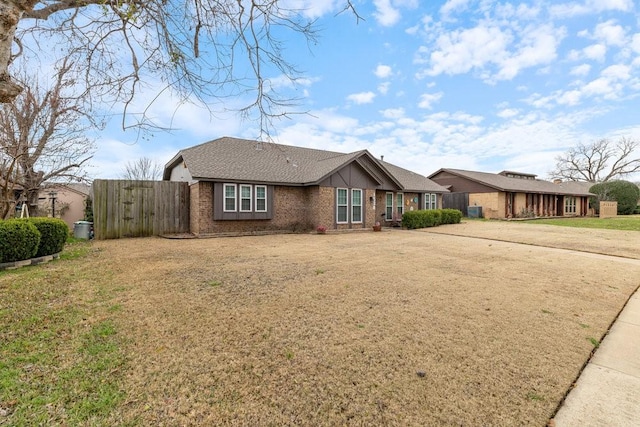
142, 169
207, 50
43, 135
599, 161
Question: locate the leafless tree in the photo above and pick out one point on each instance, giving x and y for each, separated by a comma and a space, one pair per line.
142, 169
599, 161
43, 137
203, 49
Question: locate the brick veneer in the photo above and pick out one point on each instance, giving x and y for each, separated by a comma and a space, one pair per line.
294, 209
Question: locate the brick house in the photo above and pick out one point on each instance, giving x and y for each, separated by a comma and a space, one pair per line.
240, 185
513, 194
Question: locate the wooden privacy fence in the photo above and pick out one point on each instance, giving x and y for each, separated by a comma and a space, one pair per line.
124, 208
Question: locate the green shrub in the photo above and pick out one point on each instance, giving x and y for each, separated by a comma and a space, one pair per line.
430, 218
53, 235
451, 216
19, 240
625, 193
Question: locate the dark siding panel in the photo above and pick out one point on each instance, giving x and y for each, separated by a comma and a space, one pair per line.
461, 185
218, 203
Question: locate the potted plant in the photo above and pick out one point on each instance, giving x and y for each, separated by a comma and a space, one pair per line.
321, 229
377, 226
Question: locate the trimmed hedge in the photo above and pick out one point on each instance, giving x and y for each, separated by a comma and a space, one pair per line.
53, 235
19, 240
430, 218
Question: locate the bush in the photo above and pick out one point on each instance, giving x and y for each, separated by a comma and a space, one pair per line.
430, 218
53, 235
625, 193
19, 240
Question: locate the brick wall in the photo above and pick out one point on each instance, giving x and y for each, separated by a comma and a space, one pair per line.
492, 204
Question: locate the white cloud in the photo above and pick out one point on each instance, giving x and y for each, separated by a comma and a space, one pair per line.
580, 70
362, 97
428, 99
460, 51
386, 14
611, 33
538, 46
570, 9
383, 88
596, 52
393, 113
635, 43
383, 71
507, 113
453, 6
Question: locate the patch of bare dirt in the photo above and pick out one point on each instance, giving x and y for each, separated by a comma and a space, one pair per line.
393, 328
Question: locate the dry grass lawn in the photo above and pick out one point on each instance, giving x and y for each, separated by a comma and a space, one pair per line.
393, 328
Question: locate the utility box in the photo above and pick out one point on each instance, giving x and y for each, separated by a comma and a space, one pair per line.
82, 229
474, 211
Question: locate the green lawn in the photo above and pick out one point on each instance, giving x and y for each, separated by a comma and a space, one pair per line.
631, 223
60, 354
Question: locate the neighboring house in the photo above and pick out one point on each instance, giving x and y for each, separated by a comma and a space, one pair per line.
513, 194
239, 185
68, 201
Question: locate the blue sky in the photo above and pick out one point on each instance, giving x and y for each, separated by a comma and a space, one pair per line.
477, 85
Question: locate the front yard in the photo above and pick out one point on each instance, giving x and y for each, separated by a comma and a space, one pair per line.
391, 328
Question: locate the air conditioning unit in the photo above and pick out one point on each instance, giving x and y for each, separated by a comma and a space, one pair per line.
474, 212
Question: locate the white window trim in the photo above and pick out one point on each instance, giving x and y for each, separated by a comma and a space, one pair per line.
240, 198
353, 190
338, 205
224, 198
400, 207
570, 205
387, 206
429, 203
265, 198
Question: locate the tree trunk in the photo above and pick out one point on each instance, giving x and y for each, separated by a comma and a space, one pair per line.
10, 14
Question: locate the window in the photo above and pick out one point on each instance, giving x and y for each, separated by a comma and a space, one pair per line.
342, 205
356, 205
400, 204
229, 197
430, 201
261, 198
245, 198
569, 205
389, 208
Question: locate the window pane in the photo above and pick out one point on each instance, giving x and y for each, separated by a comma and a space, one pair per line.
229, 198
245, 205
342, 196
342, 214
356, 198
245, 192
356, 215
261, 198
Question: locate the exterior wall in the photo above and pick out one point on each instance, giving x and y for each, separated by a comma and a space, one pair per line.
290, 212
492, 204
370, 208
69, 204
194, 213
459, 184
180, 173
519, 205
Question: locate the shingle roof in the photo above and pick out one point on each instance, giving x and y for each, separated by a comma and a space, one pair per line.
412, 181
245, 160
504, 183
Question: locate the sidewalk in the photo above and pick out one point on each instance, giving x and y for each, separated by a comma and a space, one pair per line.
608, 390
